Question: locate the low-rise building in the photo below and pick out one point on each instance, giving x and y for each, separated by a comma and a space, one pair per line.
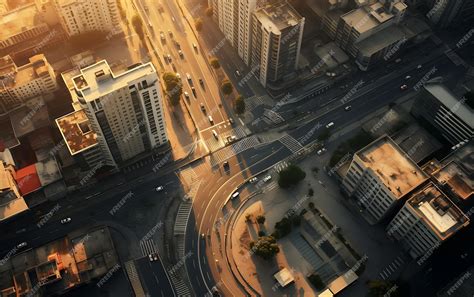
426, 220
11, 200
380, 177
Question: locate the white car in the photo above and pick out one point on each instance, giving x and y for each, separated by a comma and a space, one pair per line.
419, 66
186, 94
180, 52
162, 36
210, 120
253, 180
408, 77
267, 178
329, 125
65, 220
159, 188
188, 76
169, 58
347, 108
237, 72
178, 75
215, 134
21, 245
235, 195
403, 87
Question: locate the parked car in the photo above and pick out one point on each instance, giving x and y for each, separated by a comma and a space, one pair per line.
225, 164
407, 77
178, 75
65, 220
201, 82
231, 121
418, 66
195, 47
153, 257
168, 56
170, 33
237, 73
186, 94
194, 91
188, 76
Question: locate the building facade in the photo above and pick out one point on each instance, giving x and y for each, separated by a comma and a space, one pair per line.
80, 16
276, 42
380, 176
17, 84
440, 108
444, 13
124, 113
427, 219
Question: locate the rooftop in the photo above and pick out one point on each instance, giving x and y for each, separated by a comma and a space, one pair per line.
19, 20
278, 16
437, 211
76, 131
98, 79
28, 118
395, 168
451, 101
457, 171
18, 76
11, 201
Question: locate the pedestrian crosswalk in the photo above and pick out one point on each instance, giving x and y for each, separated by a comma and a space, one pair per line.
182, 217
270, 187
234, 149
180, 287
148, 247
391, 268
216, 144
134, 279
289, 142
272, 117
254, 101
280, 166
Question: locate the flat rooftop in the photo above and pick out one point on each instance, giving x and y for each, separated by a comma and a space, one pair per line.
17, 76
392, 165
278, 16
76, 131
98, 79
10, 205
438, 211
19, 20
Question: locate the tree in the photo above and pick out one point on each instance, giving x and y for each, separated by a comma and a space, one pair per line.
239, 105
209, 11
310, 192
265, 247
174, 88
138, 26
283, 227
290, 176
227, 87
215, 63
260, 219
198, 24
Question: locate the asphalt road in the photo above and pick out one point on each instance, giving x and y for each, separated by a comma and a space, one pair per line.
154, 277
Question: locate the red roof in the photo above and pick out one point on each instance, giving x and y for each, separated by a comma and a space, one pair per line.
28, 180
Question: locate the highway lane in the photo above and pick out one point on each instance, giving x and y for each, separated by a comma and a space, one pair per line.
155, 277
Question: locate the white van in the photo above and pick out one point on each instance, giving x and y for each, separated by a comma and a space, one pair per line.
331, 124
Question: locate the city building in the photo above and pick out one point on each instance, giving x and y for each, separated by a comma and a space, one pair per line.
437, 106
445, 13
61, 265
380, 176
80, 16
426, 220
17, 84
276, 42
11, 200
116, 117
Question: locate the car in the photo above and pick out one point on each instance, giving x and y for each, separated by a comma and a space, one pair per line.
253, 180
231, 138
321, 151
330, 74
150, 25
159, 188
168, 56
215, 134
178, 76
225, 164
267, 178
177, 44
188, 76
170, 33
215, 291
329, 125
194, 91
173, 19
231, 121
235, 195
201, 82
210, 119
237, 72
162, 36
418, 66
186, 95
398, 60
403, 87
407, 77
22, 245
203, 108
347, 108
65, 220
203, 235
180, 52
195, 47
153, 257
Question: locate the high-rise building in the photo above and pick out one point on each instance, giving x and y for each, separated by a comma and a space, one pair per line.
380, 176
439, 107
444, 13
80, 16
426, 220
276, 41
17, 84
117, 117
